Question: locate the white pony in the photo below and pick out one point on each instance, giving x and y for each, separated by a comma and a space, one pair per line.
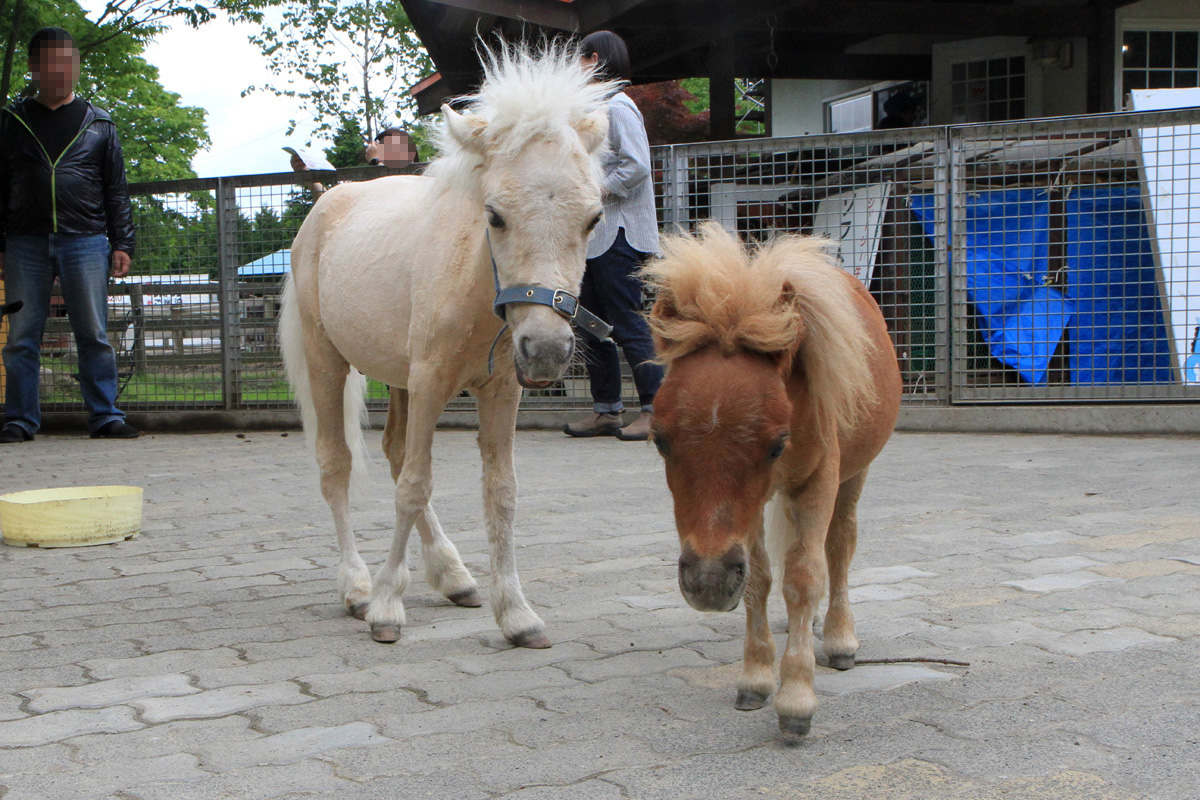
395, 279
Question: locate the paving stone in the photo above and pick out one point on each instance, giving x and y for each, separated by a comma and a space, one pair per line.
878, 575
103, 781
895, 591
875, 678
60, 725
184, 736
253, 783
1097, 641
107, 693
219, 702
161, 663
1058, 583
268, 671
289, 747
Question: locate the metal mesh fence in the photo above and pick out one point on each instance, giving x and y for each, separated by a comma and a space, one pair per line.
859, 192
1038, 261
1076, 259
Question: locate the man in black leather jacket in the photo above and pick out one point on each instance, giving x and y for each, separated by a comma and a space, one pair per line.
64, 213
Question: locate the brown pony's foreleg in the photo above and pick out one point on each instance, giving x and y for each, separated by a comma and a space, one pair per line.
444, 570
804, 577
757, 681
428, 392
498, 399
840, 642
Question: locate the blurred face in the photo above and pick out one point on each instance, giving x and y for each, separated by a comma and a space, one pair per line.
55, 69
396, 150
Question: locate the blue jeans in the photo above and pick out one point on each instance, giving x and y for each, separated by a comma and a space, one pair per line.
80, 263
612, 291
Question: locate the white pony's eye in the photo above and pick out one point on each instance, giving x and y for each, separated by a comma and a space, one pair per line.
595, 221
494, 219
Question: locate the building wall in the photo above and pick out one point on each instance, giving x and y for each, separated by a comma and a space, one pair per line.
1054, 89
798, 106
1160, 9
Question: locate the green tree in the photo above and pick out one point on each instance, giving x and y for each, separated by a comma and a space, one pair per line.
350, 59
348, 143
159, 136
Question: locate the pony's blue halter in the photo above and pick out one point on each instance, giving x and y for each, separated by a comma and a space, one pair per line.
560, 300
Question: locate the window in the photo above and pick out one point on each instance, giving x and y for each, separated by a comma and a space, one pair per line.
1162, 59
989, 90
865, 108
851, 114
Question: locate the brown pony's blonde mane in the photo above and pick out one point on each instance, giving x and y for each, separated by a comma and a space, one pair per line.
786, 299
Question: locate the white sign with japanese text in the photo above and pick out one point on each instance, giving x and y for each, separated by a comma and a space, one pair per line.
853, 221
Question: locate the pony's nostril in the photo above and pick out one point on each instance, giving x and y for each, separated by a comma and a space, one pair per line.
525, 349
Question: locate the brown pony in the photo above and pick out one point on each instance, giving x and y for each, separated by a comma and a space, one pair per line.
781, 383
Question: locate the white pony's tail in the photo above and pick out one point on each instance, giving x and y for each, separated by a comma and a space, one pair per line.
355, 417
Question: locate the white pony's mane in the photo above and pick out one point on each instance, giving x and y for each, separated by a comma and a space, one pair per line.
527, 92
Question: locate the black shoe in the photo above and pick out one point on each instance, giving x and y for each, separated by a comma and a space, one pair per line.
116, 430
13, 432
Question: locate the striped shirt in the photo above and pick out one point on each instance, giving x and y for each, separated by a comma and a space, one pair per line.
628, 187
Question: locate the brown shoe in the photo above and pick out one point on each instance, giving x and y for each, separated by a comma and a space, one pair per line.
595, 424
638, 430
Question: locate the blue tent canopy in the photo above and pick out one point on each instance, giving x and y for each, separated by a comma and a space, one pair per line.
277, 263
1020, 318
1119, 335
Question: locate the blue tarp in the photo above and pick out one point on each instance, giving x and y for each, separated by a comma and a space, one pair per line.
277, 263
1007, 254
1119, 334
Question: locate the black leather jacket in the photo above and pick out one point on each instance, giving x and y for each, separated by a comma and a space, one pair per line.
83, 192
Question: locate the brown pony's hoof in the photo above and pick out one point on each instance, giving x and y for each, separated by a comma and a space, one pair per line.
794, 728
748, 700
385, 634
467, 599
358, 610
842, 662
535, 640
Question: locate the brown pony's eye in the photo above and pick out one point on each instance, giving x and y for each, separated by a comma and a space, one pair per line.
779, 446
664, 449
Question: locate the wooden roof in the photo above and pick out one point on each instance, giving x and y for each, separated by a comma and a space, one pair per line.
671, 39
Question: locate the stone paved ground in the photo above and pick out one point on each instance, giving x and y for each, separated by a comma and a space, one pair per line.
209, 657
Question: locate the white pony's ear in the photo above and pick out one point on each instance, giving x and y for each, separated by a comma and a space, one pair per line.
465, 129
593, 130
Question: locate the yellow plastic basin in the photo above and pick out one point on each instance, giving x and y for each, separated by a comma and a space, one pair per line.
71, 517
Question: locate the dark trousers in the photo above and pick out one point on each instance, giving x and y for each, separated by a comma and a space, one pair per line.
612, 291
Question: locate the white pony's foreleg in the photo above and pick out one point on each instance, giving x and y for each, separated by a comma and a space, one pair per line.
428, 393
444, 570
498, 400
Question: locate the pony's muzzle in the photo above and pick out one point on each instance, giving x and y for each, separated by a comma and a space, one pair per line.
713, 584
542, 355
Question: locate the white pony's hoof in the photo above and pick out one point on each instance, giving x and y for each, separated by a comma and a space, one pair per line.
385, 634
468, 598
535, 639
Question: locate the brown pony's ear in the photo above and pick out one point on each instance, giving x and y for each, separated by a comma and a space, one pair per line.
787, 301
664, 305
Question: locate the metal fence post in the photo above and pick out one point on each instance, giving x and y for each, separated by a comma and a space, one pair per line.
954, 191
943, 281
231, 328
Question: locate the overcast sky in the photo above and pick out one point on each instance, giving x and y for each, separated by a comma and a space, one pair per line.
209, 67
